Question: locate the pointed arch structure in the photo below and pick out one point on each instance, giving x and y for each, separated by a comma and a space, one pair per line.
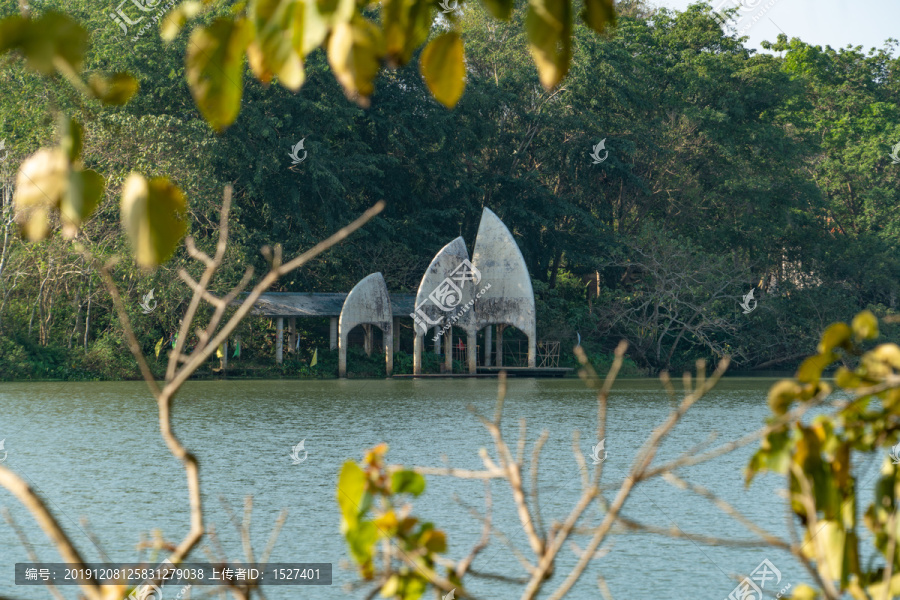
439, 303
510, 299
368, 303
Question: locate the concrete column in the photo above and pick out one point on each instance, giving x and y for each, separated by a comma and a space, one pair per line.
499, 352
472, 351
224, 355
487, 345
279, 340
388, 343
333, 343
448, 350
342, 355
418, 344
369, 339
437, 340
396, 335
292, 338
532, 347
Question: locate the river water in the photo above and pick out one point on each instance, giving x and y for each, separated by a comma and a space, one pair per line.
93, 451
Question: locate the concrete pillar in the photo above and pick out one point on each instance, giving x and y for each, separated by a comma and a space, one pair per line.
369, 340
448, 350
532, 347
387, 338
396, 334
333, 343
472, 351
487, 345
224, 355
437, 340
499, 352
292, 338
418, 344
279, 340
342, 355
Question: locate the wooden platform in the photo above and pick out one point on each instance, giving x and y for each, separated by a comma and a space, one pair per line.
494, 371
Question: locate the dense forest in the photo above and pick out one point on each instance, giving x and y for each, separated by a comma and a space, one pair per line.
728, 170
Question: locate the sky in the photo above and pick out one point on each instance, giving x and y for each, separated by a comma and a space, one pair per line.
834, 23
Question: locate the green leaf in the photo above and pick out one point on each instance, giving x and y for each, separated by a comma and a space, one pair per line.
599, 14
276, 47
350, 489
865, 326
116, 90
214, 68
444, 69
361, 540
80, 199
549, 27
406, 25
354, 53
501, 9
54, 41
154, 217
407, 482
40, 183
70, 138
837, 335
176, 18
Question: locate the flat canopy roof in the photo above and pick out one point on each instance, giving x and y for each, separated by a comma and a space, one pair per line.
294, 304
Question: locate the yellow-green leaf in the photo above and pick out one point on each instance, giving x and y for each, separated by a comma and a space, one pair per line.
277, 42
53, 41
80, 199
354, 53
835, 336
406, 24
176, 18
549, 27
599, 14
444, 68
115, 90
781, 394
40, 183
865, 326
214, 67
810, 370
154, 217
351, 486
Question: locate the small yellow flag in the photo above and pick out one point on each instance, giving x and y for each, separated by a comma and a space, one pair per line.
315, 358
158, 346
219, 351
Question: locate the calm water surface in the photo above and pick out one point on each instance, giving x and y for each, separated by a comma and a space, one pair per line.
93, 450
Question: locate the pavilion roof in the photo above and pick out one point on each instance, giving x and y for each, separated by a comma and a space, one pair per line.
302, 304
